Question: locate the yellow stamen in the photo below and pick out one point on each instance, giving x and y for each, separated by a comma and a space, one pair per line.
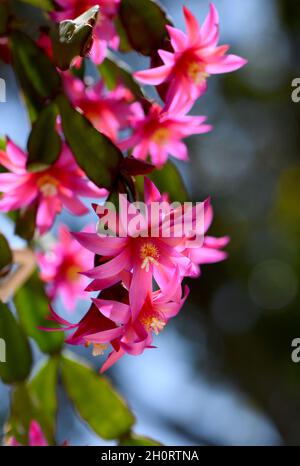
196, 72
72, 273
153, 324
98, 348
48, 185
150, 255
161, 136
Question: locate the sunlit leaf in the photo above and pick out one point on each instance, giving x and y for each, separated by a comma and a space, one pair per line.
145, 24
115, 71
38, 77
33, 307
43, 4
43, 388
17, 349
96, 400
44, 143
95, 153
25, 407
134, 440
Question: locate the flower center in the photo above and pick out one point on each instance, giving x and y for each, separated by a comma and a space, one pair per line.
196, 72
149, 254
153, 324
98, 348
72, 273
161, 136
48, 185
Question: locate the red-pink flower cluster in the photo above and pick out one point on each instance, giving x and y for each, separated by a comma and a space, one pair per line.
61, 266
51, 189
140, 279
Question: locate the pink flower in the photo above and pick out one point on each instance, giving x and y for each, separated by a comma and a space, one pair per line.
36, 437
160, 133
196, 56
108, 111
105, 34
109, 322
61, 267
210, 252
147, 256
53, 188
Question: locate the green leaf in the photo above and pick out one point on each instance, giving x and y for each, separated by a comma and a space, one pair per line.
124, 45
96, 400
44, 144
38, 77
25, 222
95, 153
4, 18
26, 406
43, 4
134, 440
145, 24
43, 388
115, 71
18, 353
2, 144
72, 38
5, 256
168, 180
32, 307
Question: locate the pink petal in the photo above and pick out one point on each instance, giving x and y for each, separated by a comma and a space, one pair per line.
46, 214
9, 181
192, 26
151, 192
113, 357
73, 204
178, 38
167, 57
36, 436
210, 28
179, 150
105, 336
226, 64
108, 246
141, 285
15, 154
112, 267
113, 310
153, 76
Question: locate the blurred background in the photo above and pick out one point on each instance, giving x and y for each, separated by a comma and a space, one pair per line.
222, 373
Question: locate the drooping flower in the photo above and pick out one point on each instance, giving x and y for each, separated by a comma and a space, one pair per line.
152, 254
196, 56
108, 111
61, 266
105, 34
36, 437
160, 133
53, 188
109, 322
